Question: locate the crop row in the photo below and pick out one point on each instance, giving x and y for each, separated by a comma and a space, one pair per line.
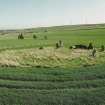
57, 74
52, 97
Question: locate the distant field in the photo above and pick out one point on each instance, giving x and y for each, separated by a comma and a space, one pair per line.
69, 37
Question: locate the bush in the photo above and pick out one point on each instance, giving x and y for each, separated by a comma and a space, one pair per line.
57, 45
34, 37
102, 48
90, 46
41, 47
20, 36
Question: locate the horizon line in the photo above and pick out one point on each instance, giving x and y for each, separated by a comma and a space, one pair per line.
50, 26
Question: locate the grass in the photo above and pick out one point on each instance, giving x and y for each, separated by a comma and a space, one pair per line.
79, 86
69, 37
50, 57
30, 76
53, 97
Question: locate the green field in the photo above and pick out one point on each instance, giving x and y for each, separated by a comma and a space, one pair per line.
69, 35
50, 76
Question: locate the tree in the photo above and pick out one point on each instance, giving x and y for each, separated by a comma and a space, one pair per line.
20, 36
90, 46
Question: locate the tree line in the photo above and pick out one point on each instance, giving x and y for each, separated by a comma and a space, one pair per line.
21, 36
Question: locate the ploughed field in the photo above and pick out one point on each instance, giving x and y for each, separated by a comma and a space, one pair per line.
31, 75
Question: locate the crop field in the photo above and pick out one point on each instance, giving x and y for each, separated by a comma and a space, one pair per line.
34, 72
54, 86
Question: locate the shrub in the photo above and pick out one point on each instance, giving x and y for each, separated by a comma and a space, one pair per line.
20, 36
57, 45
90, 46
70, 47
41, 47
34, 36
102, 48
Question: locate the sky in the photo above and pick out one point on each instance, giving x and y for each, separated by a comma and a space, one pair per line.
42, 13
